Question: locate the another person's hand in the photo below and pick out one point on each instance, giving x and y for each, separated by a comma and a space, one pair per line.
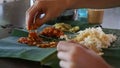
51, 9
73, 55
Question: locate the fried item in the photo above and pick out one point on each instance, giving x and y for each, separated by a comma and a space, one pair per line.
74, 29
33, 36
62, 26
34, 40
66, 27
23, 40
52, 32
49, 44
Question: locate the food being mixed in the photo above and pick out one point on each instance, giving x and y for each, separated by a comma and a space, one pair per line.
66, 27
95, 39
34, 39
52, 32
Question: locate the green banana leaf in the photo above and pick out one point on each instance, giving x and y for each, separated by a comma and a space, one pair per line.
9, 47
112, 54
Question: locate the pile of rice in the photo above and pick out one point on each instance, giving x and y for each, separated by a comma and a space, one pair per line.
95, 39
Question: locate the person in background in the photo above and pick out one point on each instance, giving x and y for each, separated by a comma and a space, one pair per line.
74, 55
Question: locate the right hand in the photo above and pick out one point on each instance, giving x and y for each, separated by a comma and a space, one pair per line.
51, 9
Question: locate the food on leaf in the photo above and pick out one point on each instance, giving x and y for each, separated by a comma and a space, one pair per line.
32, 39
66, 27
94, 38
52, 32
36, 40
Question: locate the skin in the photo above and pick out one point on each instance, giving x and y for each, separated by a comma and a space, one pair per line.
71, 54
97, 4
53, 8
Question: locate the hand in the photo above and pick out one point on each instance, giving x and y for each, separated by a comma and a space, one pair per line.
73, 55
51, 9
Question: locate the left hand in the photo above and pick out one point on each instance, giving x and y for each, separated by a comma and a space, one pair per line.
74, 55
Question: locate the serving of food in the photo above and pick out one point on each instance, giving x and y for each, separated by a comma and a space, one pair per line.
55, 31
95, 39
92, 38
66, 27
35, 39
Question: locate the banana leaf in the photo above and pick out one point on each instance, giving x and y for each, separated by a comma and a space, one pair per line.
112, 54
9, 47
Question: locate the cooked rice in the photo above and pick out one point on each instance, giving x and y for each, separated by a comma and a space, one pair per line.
95, 39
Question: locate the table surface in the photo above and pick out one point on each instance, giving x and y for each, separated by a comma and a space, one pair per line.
14, 13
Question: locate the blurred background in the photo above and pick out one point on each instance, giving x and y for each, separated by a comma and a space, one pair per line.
13, 12
12, 15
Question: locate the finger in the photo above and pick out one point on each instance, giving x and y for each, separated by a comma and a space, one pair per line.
65, 46
49, 15
64, 56
66, 64
37, 22
27, 13
71, 47
78, 44
30, 15
44, 19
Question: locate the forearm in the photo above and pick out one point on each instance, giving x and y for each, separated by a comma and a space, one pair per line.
93, 4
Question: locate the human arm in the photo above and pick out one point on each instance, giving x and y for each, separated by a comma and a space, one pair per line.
97, 4
73, 55
53, 8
